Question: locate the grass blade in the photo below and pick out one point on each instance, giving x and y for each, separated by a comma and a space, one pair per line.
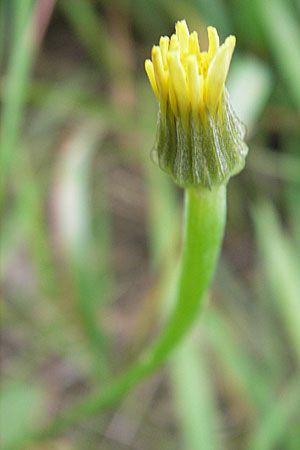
90, 29
249, 84
282, 32
194, 396
20, 405
281, 265
279, 420
14, 94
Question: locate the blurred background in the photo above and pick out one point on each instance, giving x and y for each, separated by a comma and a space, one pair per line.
91, 228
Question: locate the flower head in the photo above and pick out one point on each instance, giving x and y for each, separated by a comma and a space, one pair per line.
199, 139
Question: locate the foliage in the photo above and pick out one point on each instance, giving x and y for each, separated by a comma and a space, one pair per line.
90, 232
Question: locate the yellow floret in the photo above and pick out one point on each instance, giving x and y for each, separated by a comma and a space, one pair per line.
193, 81
178, 77
217, 73
150, 72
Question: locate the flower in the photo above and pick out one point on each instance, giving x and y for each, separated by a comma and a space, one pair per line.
200, 140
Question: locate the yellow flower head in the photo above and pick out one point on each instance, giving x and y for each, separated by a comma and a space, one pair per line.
184, 76
200, 139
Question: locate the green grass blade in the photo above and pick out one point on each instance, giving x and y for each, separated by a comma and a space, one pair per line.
244, 18
215, 13
14, 93
90, 28
72, 209
279, 420
194, 397
282, 32
3, 29
20, 405
281, 265
249, 84
247, 378
292, 196
284, 166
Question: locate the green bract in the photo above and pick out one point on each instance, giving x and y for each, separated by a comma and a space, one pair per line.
204, 154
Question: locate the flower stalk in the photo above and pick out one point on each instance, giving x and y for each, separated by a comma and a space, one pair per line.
204, 223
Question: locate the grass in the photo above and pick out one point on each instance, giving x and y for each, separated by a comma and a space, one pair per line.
90, 234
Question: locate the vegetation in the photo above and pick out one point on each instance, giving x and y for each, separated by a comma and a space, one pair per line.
91, 233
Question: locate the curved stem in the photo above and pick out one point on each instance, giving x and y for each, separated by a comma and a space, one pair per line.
205, 214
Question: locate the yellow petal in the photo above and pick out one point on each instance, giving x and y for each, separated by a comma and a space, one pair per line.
214, 42
174, 43
160, 75
182, 32
172, 98
178, 78
150, 72
164, 47
217, 74
201, 89
194, 48
193, 81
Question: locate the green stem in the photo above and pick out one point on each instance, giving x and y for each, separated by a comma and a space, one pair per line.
205, 213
